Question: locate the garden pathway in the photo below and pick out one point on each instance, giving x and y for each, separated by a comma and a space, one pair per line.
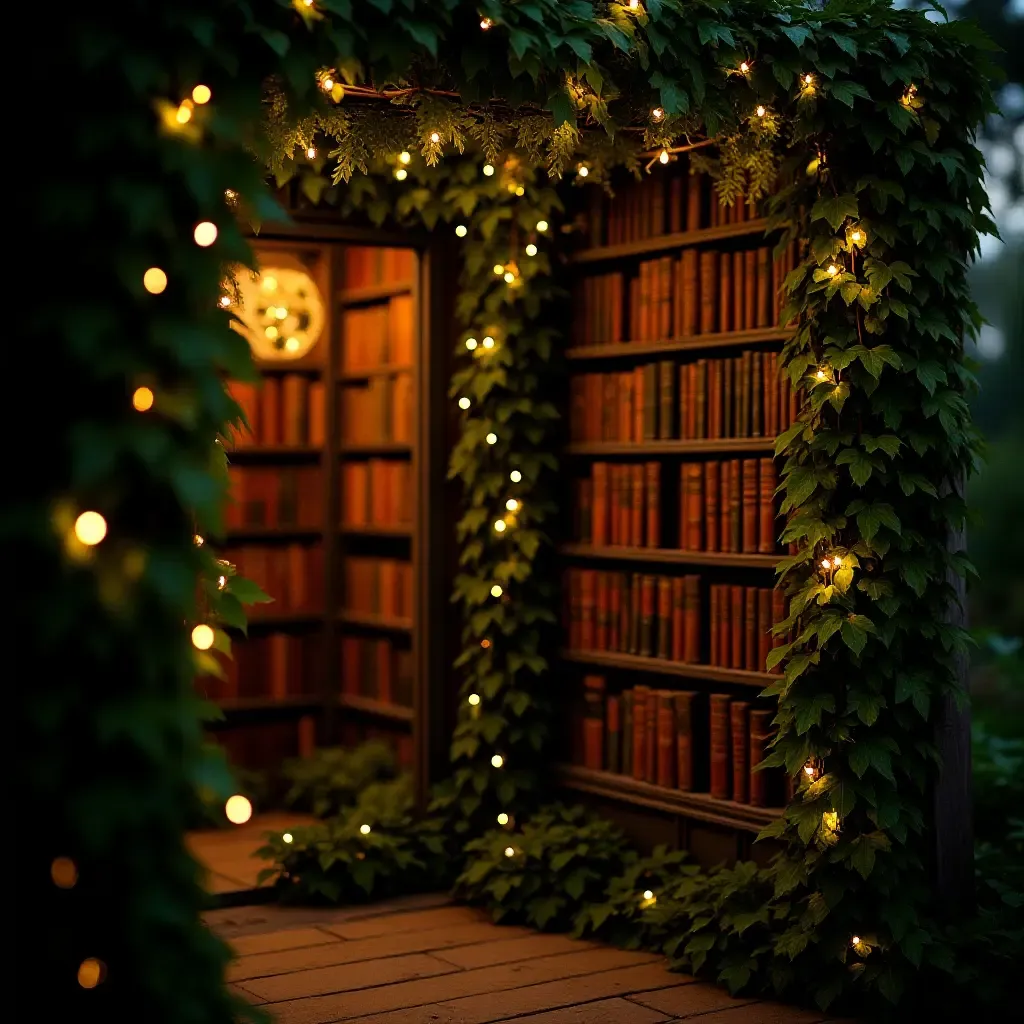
424, 960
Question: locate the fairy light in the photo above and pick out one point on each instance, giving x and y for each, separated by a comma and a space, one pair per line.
663, 157
404, 157
488, 342
271, 332
222, 582
761, 110
291, 344
515, 476
201, 94
364, 830
64, 873
809, 770
202, 637
311, 152
657, 113
808, 81
832, 270
531, 250
91, 972
509, 851
184, 113
491, 438
237, 809
464, 402
634, 5
497, 761
224, 301
857, 236
461, 230
648, 895
496, 590
90, 528
855, 940
502, 818
485, 644
744, 67
473, 699
583, 170
435, 137
205, 233
142, 399
509, 277
485, 24
498, 269
512, 505
154, 280
230, 197
198, 540
488, 170
821, 375
826, 564
499, 525
471, 343
327, 84
401, 174
287, 837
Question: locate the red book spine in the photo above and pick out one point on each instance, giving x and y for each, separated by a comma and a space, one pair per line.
764, 627
766, 507
736, 603
735, 523
664, 617
651, 739
613, 735
678, 605
715, 655
636, 520
740, 730
719, 731
750, 503
750, 637
666, 740
652, 477
625, 514
715, 426
615, 612
711, 478
601, 624
695, 511
760, 735
599, 516
779, 614
593, 722
640, 694
724, 626
588, 583
683, 702
691, 619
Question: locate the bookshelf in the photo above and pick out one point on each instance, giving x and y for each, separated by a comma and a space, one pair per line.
331, 507
671, 527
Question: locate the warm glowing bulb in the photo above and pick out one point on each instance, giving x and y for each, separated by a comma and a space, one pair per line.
511, 504
657, 113
499, 526
503, 818
496, 591
404, 157
497, 761
634, 5
515, 476
142, 400
531, 250
583, 170
761, 110
202, 637
90, 528
328, 84
198, 540
154, 280
471, 343
401, 174
435, 137
205, 233
832, 270
826, 564
509, 277
542, 225
744, 67
224, 301
488, 342
486, 23
464, 402
291, 344
857, 236
855, 941
90, 972
271, 332
485, 643
269, 283
808, 769
498, 269
64, 873
520, 190
184, 114
311, 152
280, 313
488, 170
461, 230
491, 438
237, 809
648, 894
364, 830
836, 562
474, 699
509, 852
808, 80
230, 196
222, 582
663, 157
287, 837
201, 94
821, 375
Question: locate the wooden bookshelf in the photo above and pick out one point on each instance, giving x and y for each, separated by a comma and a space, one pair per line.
275, 453
240, 534
671, 536
365, 530
377, 708
371, 621
372, 293
387, 370
367, 448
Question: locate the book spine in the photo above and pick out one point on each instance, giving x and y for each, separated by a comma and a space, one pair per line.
652, 480
764, 627
764, 287
760, 735
720, 747
739, 729
640, 694
736, 612
615, 613
666, 390
647, 610
593, 722
691, 619
691, 291
601, 617
666, 765
588, 588
613, 731
766, 506
711, 481
708, 290
750, 505
678, 617
683, 706
664, 616
693, 203
715, 655
750, 637
636, 504
651, 738
750, 289
628, 732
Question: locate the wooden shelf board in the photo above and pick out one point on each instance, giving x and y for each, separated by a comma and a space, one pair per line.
669, 556
375, 448
636, 663
375, 621
385, 370
375, 531
379, 708
699, 806
292, 703
694, 342
301, 366
282, 619
270, 453
679, 240
374, 292
706, 446
238, 534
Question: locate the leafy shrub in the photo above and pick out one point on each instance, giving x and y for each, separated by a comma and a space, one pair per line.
331, 780
561, 860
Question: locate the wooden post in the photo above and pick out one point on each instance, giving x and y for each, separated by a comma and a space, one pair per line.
953, 831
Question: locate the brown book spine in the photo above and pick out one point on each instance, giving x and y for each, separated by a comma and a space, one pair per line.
725, 293
666, 765
779, 614
766, 506
652, 486
711, 480
637, 493
738, 265
745, 374
691, 291
638, 404
764, 287
602, 607
760, 735
694, 506
708, 290
650, 402
691, 619
666, 391
736, 614
651, 739
750, 289
735, 521
750, 637
715, 422
678, 619
715, 656
270, 412
639, 730
764, 627
593, 722
613, 735
664, 616
739, 727
750, 505
676, 198
683, 706
693, 203
720, 747
647, 610
756, 391
700, 374
588, 581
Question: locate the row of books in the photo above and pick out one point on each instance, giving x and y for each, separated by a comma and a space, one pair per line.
262, 745
376, 492
292, 574
724, 505
277, 666
376, 669
366, 266
281, 410
703, 292
662, 617
733, 396
378, 586
741, 622
659, 205
679, 740
280, 496
379, 335
379, 411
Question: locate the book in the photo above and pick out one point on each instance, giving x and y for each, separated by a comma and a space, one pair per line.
720, 746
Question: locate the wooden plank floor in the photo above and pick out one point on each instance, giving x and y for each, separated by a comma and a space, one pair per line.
424, 960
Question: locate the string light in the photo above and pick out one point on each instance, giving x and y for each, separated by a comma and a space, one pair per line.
649, 899
542, 225
832, 270
64, 873
744, 67
496, 590
826, 564
498, 269
491, 438
808, 81
761, 110
582, 170
230, 196
222, 582
198, 540
201, 94
488, 342
488, 170
509, 852
531, 250
520, 190
499, 526
509, 277
809, 770
657, 113
461, 230
142, 400
154, 280
91, 972
224, 301
473, 699
364, 830
404, 157
857, 236
471, 343
464, 402
855, 941
205, 233
90, 528
486, 23
271, 332
401, 174
485, 643
502, 818
821, 375
663, 158
435, 137
287, 837
497, 761
327, 84
512, 505
634, 5
202, 637
237, 809
184, 113
515, 476
311, 152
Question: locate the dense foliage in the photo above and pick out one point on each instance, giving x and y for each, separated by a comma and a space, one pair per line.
866, 114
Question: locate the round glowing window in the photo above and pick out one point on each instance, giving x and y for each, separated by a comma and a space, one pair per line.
280, 312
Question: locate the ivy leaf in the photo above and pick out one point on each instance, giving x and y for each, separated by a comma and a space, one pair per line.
862, 859
798, 34
835, 209
846, 91
930, 373
809, 712
876, 515
861, 466
855, 632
